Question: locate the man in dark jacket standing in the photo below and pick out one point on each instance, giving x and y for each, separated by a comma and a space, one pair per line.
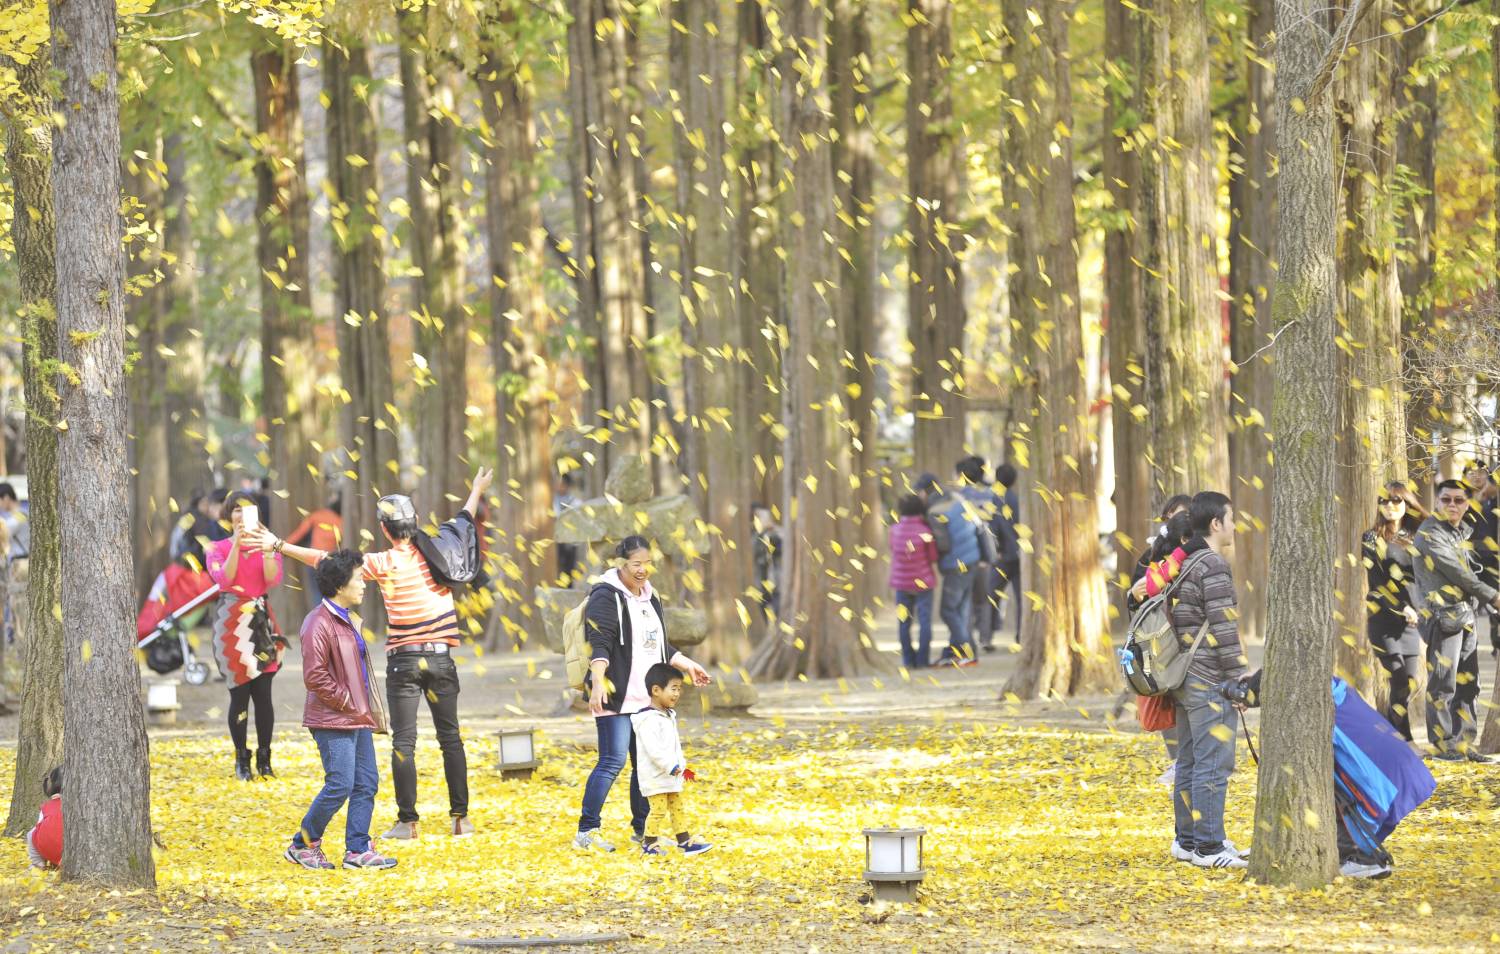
1447, 583
1205, 597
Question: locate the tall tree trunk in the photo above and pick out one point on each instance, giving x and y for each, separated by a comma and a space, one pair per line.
187, 434
1372, 430
712, 341
610, 274
1184, 328
28, 156
822, 637
1251, 279
854, 181
1294, 811
1125, 333
368, 432
288, 361
107, 800
429, 98
935, 301
1416, 149
1065, 646
520, 322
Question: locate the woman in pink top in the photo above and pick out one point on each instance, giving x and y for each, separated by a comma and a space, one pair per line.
247, 642
913, 553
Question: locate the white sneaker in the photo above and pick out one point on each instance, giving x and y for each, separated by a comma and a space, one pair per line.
1230, 846
1228, 858
1169, 777
1356, 869
586, 840
1180, 853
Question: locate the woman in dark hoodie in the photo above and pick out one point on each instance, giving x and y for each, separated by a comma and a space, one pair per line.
627, 634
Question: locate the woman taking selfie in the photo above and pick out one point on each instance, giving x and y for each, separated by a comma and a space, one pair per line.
247, 642
1390, 605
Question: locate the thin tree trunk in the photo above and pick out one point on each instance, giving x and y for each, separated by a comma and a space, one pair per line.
1294, 811
1372, 430
1125, 334
289, 365
107, 800
519, 326
822, 635
429, 98
1251, 279
1184, 328
713, 381
1416, 149
1064, 646
28, 156
368, 432
187, 434
935, 302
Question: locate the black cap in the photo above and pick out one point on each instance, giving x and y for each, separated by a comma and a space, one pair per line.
397, 514
926, 481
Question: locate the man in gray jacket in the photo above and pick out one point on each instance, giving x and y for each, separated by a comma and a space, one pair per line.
1448, 584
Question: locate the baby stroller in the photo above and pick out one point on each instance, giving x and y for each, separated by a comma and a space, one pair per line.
178, 600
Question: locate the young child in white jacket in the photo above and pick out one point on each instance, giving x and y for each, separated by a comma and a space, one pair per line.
660, 765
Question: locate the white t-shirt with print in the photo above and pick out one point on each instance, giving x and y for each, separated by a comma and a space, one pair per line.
646, 650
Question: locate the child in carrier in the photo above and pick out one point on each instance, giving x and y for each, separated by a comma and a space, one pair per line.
44, 843
660, 764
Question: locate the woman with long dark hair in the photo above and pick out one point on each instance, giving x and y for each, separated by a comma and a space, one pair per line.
247, 642
1390, 605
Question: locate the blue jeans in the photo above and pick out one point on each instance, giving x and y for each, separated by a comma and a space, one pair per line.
918, 604
1205, 760
616, 740
957, 600
349, 775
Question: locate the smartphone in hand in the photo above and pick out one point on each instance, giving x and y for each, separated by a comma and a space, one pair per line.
249, 516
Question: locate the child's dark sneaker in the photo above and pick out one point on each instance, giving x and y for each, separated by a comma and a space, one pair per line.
653, 850
694, 847
308, 856
369, 858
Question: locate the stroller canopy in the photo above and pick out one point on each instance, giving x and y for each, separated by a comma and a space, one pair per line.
1377, 776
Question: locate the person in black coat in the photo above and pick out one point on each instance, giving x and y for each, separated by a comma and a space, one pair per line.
1390, 604
627, 633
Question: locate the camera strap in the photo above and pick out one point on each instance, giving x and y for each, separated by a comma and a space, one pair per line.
1249, 741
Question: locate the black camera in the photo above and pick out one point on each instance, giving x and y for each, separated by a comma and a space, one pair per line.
1239, 692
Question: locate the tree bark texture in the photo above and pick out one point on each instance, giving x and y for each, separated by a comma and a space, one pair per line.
1251, 281
187, 435
935, 299
366, 425
28, 156
429, 98
1185, 370
610, 275
821, 634
1372, 431
1294, 811
289, 365
854, 165
1416, 149
519, 326
1065, 647
107, 800
713, 347
1124, 330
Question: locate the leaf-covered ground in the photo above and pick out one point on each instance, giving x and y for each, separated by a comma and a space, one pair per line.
1038, 839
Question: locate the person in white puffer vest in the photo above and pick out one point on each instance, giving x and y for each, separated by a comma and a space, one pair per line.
661, 765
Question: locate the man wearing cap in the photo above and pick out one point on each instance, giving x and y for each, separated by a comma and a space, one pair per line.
423, 627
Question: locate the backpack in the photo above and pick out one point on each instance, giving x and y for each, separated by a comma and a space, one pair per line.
1153, 660
576, 652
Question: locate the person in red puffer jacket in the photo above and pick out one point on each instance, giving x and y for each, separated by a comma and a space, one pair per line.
44, 843
913, 555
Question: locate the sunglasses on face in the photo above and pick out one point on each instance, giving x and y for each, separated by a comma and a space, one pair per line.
1453, 501
1391, 501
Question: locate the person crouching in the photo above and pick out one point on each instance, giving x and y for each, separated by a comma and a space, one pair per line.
341, 713
661, 765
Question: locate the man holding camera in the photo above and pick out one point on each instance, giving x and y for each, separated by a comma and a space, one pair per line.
1448, 585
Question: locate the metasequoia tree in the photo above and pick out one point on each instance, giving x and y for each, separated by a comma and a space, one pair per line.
187, 433
1065, 644
935, 294
1294, 810
28, 156
820, 635
107, 800
1416, 151
1184, 348
713, 380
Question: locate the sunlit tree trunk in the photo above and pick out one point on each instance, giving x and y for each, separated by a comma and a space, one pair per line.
1416, 149
187, 435
1294, 820
1065, 644
107, 799
28, 157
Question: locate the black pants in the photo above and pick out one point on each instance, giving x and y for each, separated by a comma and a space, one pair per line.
1403, 672
257, 690
409, 677
1452, 688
